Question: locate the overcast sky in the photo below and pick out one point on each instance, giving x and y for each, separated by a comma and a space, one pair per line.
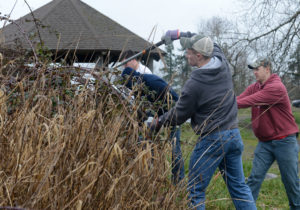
142, 16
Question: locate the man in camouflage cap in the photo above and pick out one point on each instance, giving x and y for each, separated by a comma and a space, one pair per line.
274, 125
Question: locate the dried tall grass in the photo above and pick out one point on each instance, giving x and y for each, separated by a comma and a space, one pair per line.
61, 150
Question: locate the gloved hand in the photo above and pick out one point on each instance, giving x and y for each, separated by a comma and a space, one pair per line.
153, 126
187, 34
170, 36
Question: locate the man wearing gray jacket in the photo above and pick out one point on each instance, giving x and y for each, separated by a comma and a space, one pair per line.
207, 98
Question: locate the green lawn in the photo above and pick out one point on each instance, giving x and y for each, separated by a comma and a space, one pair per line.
272, 194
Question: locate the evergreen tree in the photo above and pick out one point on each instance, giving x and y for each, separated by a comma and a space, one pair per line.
176, 70
294, 69
169, 70
294, 65
170, 64
183, 67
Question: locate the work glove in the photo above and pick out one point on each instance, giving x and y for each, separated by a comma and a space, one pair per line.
187, 34
153, 127
170, 36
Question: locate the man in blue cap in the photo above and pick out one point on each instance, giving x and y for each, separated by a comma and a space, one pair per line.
208, 99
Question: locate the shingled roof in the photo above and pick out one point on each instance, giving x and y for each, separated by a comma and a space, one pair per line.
73, 26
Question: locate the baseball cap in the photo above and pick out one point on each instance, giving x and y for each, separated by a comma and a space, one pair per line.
259, 62
200, 43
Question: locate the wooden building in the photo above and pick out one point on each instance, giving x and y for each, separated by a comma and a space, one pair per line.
76, 32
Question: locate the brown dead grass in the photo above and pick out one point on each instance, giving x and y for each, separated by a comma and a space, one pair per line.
61, 150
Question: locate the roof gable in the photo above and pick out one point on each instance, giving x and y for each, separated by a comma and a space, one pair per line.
74, 25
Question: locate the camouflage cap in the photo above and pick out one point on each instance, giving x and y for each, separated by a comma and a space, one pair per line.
200, 43
259, 62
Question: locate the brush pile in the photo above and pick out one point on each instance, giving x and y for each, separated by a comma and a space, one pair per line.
65, 147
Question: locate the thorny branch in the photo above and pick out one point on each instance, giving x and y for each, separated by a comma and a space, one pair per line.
24, 34
35, 22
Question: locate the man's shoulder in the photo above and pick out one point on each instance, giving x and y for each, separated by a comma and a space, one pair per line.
276, 85
253, 85
154, 79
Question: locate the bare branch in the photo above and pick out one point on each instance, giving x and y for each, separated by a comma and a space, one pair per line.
35, 22
291, 19
24, 34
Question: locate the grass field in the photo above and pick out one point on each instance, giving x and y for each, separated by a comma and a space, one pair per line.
272, 194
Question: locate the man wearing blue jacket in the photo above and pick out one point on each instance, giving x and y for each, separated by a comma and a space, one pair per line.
208, 99
158, 91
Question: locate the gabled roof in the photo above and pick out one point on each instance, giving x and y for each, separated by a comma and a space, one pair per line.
74, 25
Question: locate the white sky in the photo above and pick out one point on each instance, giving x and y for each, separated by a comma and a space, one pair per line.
142, 16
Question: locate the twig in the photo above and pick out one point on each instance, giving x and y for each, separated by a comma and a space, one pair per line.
276, 28
24, 34
35, 23
10, 13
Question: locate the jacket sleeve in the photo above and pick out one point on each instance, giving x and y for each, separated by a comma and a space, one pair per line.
267, 96
217, 50
246, 93
183, 110
131, 80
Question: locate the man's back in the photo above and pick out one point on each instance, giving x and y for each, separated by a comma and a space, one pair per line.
208, 98
153, 87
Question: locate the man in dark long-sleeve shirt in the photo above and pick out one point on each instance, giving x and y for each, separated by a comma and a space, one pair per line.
207, 98
158, 91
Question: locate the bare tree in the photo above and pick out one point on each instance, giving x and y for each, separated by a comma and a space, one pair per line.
271, 28
264, 29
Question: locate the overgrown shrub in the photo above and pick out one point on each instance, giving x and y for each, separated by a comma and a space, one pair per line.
69, 148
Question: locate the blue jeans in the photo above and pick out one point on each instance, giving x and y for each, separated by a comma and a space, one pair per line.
285, 152
177, 159
224, 150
